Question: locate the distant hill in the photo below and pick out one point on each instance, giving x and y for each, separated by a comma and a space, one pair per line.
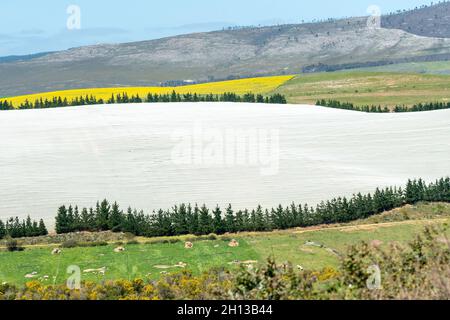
22, 58
428, 21
244, 52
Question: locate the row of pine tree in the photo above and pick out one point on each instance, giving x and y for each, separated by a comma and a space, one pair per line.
151, 98
378, 109
16, 228
188, 219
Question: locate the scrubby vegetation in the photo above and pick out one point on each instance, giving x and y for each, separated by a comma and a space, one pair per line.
74, 244
56, 102
188, 219
12, 245
419, 270
79, 237
379, 109
419, 211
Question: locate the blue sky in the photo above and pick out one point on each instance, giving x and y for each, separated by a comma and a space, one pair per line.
29, 26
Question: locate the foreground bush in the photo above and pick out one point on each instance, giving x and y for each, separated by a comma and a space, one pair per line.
419, 270
74, 244
12, 245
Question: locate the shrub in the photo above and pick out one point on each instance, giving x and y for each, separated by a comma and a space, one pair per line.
162, 241
129, 235
212, 237
159, 241
93, 244
69, 244
73, 244
419, 270
12, 245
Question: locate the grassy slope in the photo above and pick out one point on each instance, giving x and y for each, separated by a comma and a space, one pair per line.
137, 261
290, 245
370, 88
432, 67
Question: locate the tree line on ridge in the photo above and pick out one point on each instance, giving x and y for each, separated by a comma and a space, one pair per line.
200, 220
56, 102
379, 109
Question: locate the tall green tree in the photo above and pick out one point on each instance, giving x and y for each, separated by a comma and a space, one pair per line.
218, 223
2, 230
61, 225
193, 219
29, 232
102, 215
70, 219
230, 220
42, 228
115, 219
180, 219
205, 221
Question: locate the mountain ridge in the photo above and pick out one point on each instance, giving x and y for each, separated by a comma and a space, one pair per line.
236, 53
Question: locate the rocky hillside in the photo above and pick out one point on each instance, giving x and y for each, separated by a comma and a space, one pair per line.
428, 21
226, 54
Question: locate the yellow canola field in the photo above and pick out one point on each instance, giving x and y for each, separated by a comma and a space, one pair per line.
261, 85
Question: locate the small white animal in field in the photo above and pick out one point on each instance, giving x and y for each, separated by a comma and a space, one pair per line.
99, 270
180, 265
233, 243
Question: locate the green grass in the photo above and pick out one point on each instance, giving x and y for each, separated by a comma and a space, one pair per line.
139, 260
368, 88
432, 67
292, 247
421, 211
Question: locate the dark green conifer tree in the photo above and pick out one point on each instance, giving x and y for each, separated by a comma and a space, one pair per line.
61, 225
115, 219
102, 215
42, 228
230, 220
218, 222
205, 221
2, 230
